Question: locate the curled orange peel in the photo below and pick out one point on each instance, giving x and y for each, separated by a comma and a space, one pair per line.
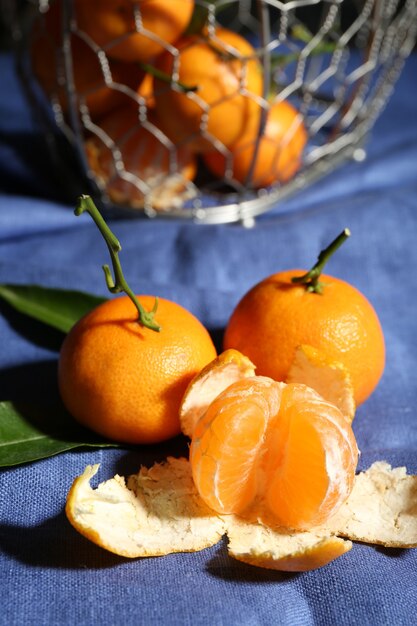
226, 369
158, 511
329, 378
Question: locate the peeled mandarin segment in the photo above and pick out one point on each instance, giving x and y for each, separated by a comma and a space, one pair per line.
229, 367
298, 487
328, 377
224, 449
314, 475
279, 550
312, 481
222, 453
158, 512
279, 450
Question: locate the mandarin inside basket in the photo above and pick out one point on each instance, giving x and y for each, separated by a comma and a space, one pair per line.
334, 61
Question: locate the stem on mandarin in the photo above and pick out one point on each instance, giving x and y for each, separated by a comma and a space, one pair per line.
167, 78
119, 283
311, 279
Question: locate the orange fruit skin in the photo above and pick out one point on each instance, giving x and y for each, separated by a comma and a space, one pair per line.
218, 97
105, 21
276, 316
278, 156
125, 381
89, 83
305, 560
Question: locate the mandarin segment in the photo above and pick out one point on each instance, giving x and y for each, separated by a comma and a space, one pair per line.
225, 445
315, 474
296, 451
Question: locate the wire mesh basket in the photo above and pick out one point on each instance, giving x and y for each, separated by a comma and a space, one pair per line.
211, 110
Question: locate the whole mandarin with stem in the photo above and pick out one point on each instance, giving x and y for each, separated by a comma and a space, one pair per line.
124, 376
125, 381
292, 308
225, 81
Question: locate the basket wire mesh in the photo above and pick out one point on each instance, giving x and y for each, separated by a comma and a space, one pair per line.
335, 61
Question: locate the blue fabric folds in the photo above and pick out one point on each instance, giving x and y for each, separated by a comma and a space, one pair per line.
51, 575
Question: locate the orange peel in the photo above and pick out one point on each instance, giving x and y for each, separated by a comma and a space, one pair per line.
328, 377
226, 369
158, 511
155, 512
382, 508
283, 551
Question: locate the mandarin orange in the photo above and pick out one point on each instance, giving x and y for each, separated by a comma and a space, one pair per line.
132, 30
125, 381
93, 86
271, 451
154, 171
277, 156
227, 79
276, 316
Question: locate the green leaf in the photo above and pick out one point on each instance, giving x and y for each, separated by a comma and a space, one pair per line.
58, 308
29, 433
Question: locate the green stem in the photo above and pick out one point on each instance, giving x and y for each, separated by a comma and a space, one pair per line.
200, 16
166, 78
198, 20
311, 278
118, 284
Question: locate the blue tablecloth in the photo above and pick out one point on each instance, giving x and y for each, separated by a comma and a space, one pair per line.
51, 575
